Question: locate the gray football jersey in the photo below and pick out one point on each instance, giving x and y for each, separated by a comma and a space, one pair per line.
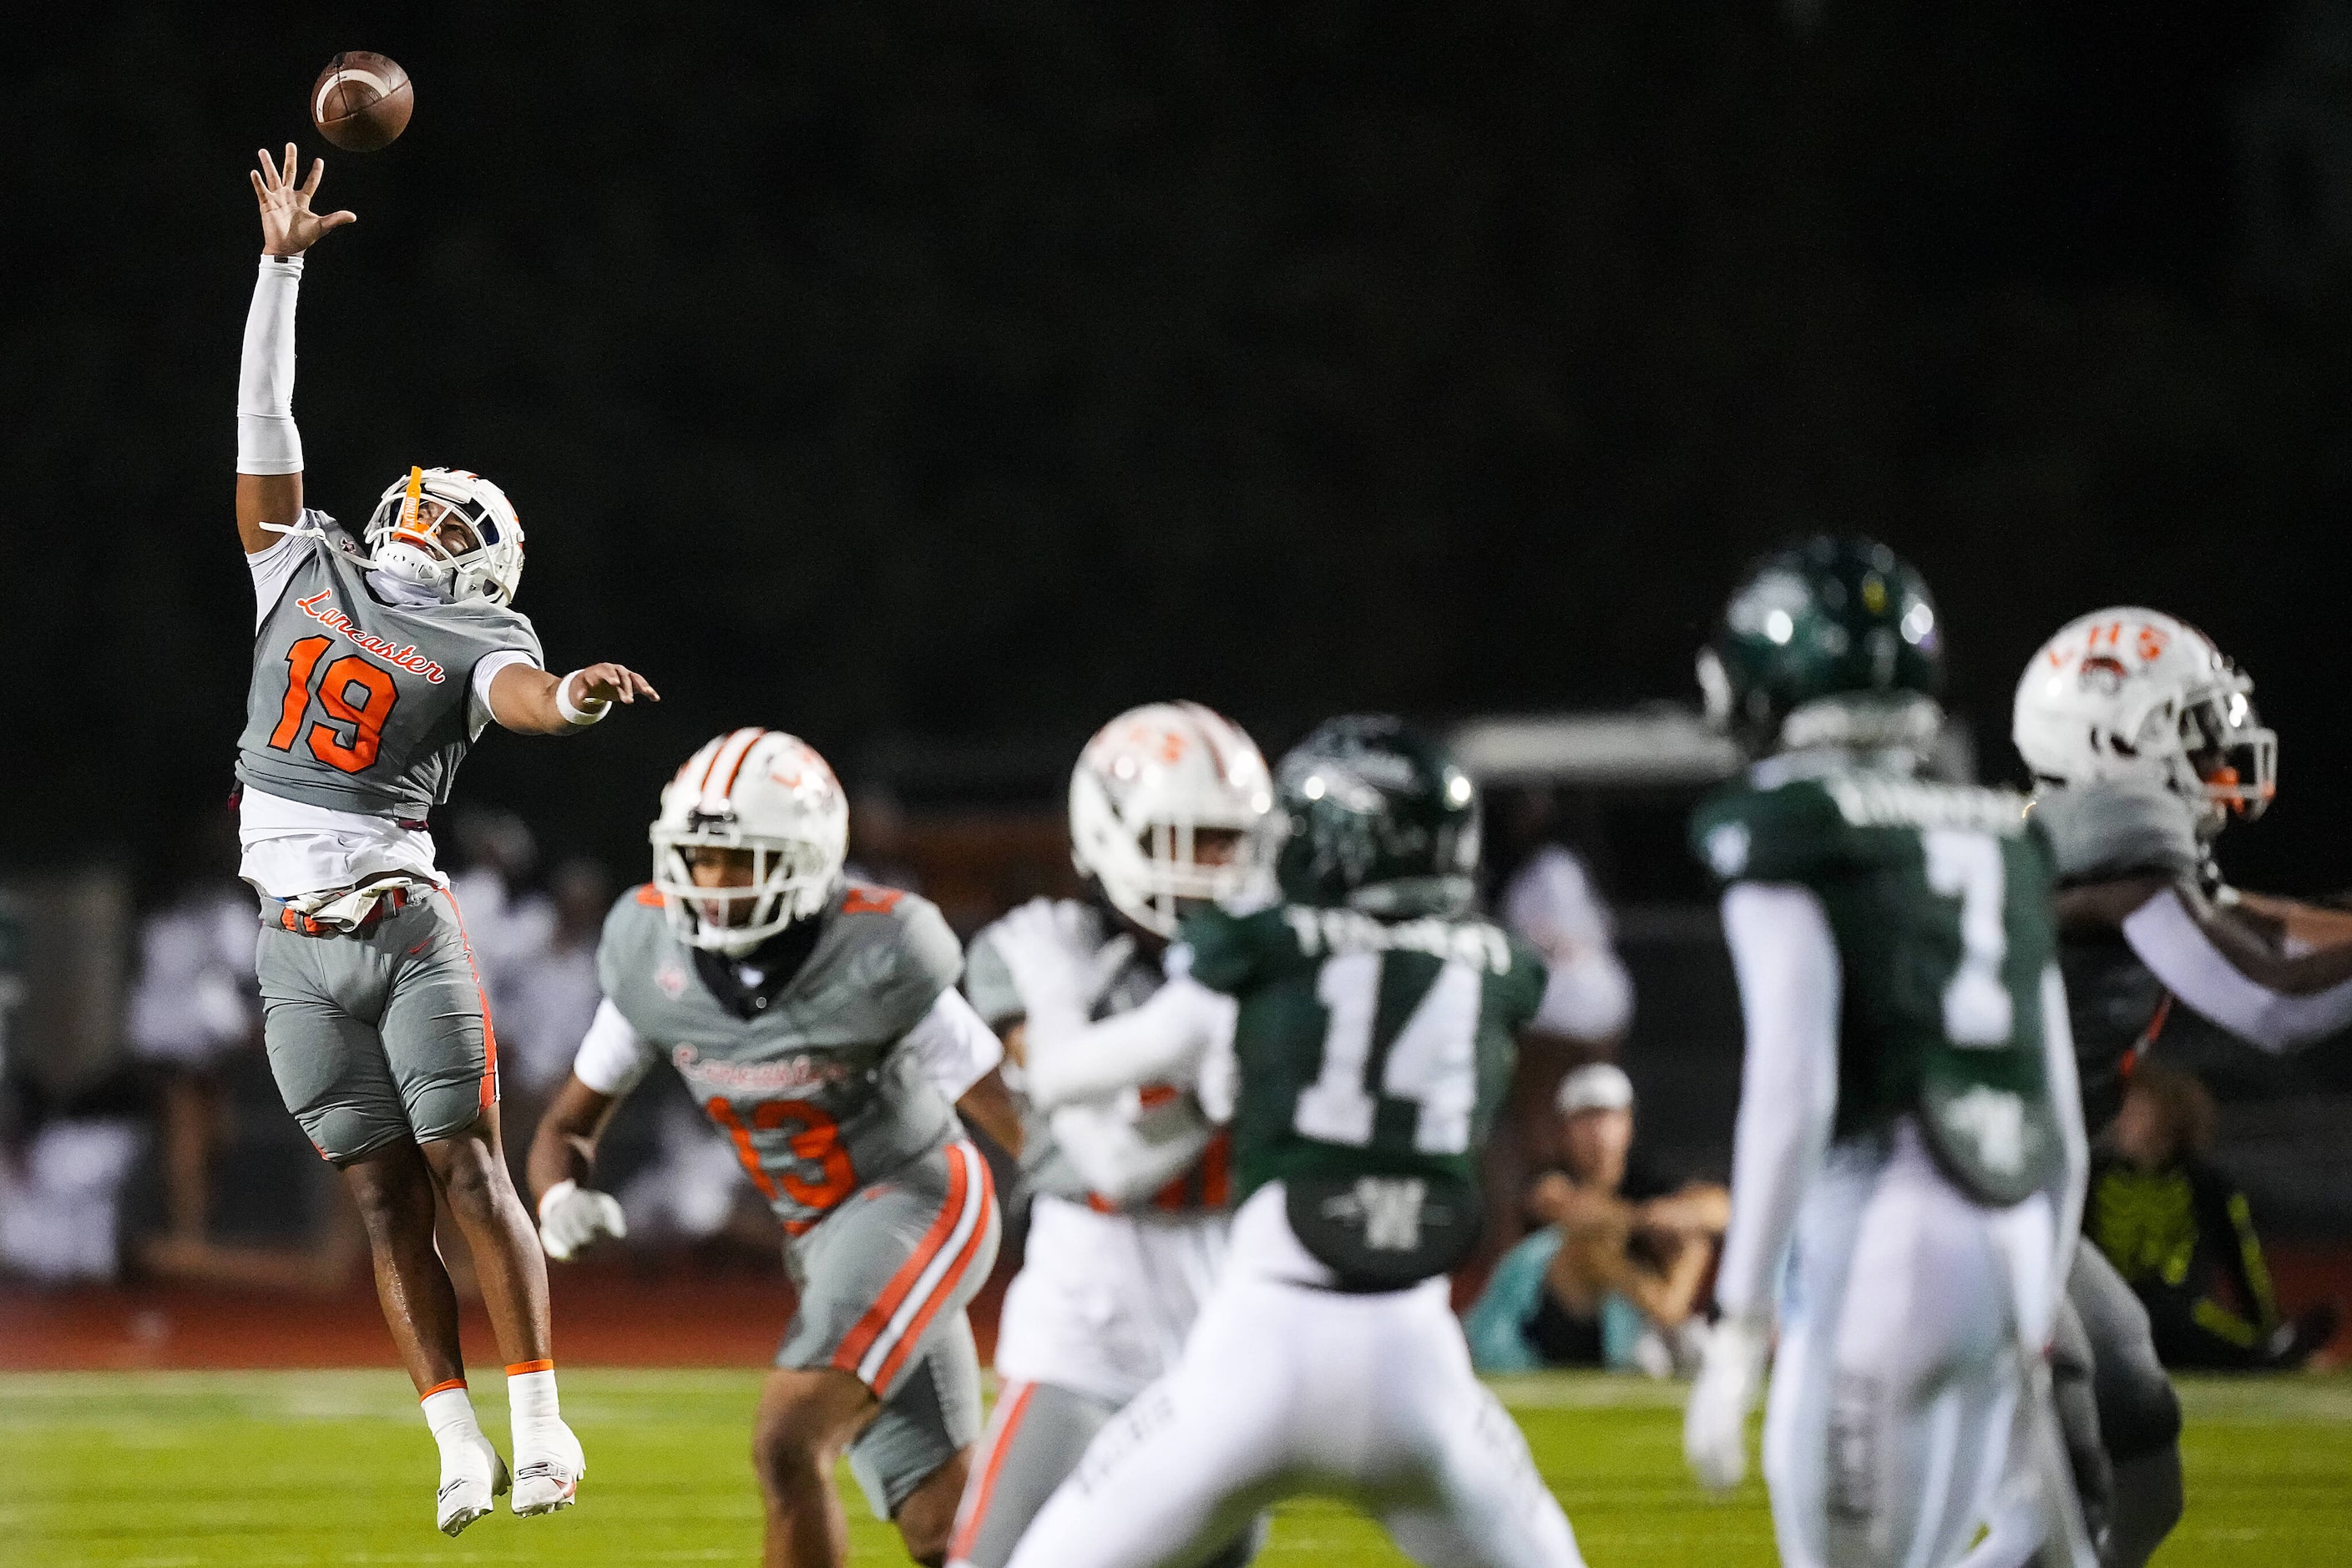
817, 1092
988, 983
2101, 831
357, 705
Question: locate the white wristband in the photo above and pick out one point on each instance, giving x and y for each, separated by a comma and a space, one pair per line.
579, 713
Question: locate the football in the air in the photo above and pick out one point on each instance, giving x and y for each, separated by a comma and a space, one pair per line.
363, 102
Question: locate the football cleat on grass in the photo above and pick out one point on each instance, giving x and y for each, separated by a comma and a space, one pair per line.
473, 1477
548, 1472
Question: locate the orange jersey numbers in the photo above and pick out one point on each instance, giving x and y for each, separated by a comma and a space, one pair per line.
815, 1141
353, 691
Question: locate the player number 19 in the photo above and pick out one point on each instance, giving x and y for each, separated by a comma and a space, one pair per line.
1432, 1062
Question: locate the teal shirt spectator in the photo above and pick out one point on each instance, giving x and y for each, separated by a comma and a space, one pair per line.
1496, 1323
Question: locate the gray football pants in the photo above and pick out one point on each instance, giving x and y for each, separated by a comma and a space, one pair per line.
2139, 1414
883, 1280
2121, 1421
379, 1034
1036, 1436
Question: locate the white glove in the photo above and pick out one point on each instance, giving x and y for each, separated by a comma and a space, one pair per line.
1714, 1422
1043, 946
572, 1216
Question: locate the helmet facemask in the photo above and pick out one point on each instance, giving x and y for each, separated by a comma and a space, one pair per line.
443, 531
2230, 758
790, 879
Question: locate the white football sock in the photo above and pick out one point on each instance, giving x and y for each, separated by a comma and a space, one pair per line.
450, 1414
530, 1401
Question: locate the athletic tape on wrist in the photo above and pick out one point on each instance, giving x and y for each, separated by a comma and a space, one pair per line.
579, 713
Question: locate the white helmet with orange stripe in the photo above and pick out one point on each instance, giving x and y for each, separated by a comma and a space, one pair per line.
1167, 805
771, 810
2127, 694
450, 531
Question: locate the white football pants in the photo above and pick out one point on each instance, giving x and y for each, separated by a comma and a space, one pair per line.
1285, 1388
1893, 1395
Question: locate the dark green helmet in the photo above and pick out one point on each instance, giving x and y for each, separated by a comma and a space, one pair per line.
1376, 817
1830, 642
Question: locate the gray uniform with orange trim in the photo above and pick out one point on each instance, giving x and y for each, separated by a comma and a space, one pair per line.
889, 1214
361, 706
358, 705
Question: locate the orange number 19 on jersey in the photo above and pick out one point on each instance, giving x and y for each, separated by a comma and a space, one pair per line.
348, 676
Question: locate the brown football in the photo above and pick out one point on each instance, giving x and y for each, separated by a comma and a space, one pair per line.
362, 102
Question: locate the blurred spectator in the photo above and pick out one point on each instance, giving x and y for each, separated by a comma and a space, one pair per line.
504, 924
1551, 902
1612, 1277
544, 994
1546, 896
194, 1005
2181, 1235
60, 1198
878, 841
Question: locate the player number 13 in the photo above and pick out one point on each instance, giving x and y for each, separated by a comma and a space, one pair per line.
1432, 1062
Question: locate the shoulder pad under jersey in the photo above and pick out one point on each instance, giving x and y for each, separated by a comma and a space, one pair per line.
633, 926
1767, 831
903, 945
1226, 949
2100, 831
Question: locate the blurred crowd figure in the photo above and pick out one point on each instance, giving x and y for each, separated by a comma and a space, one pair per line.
2183, 1236
1612, 1274
1543, 890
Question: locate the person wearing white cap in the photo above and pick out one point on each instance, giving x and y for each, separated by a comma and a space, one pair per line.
1610, 1278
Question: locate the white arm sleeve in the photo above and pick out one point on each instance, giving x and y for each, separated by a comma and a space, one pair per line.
478, 695
2178, 952
613, 1056
957, 1049
1163, 1041
1124, 1157
266, 440
1790, 990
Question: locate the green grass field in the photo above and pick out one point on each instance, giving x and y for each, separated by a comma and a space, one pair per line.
274, 1469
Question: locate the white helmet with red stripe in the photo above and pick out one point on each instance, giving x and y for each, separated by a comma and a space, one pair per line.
2133, 694
1146, 788
764, 792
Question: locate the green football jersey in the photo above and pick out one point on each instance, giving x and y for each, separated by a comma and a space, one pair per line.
1371, 1058
1938, 897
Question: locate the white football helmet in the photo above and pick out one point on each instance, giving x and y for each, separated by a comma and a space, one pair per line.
763, 790
449, 531
1149, 780
2133, 694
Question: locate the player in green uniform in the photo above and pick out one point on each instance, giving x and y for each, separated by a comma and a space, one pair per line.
1357, 1036
1909, 1153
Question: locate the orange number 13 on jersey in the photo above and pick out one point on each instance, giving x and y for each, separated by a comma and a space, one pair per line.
353, 691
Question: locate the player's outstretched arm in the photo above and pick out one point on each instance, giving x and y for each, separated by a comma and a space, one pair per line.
2228, 964
532, 702
563, 1161
268, 446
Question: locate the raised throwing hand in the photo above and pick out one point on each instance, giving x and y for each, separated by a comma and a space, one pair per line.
288, 227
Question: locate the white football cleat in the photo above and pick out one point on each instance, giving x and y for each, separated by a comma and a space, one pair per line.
548, 1472
473, 1477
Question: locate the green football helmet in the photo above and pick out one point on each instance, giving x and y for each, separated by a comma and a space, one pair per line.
1376, 817
1831, 642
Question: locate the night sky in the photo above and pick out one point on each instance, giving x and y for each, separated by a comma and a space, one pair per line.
962, 373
